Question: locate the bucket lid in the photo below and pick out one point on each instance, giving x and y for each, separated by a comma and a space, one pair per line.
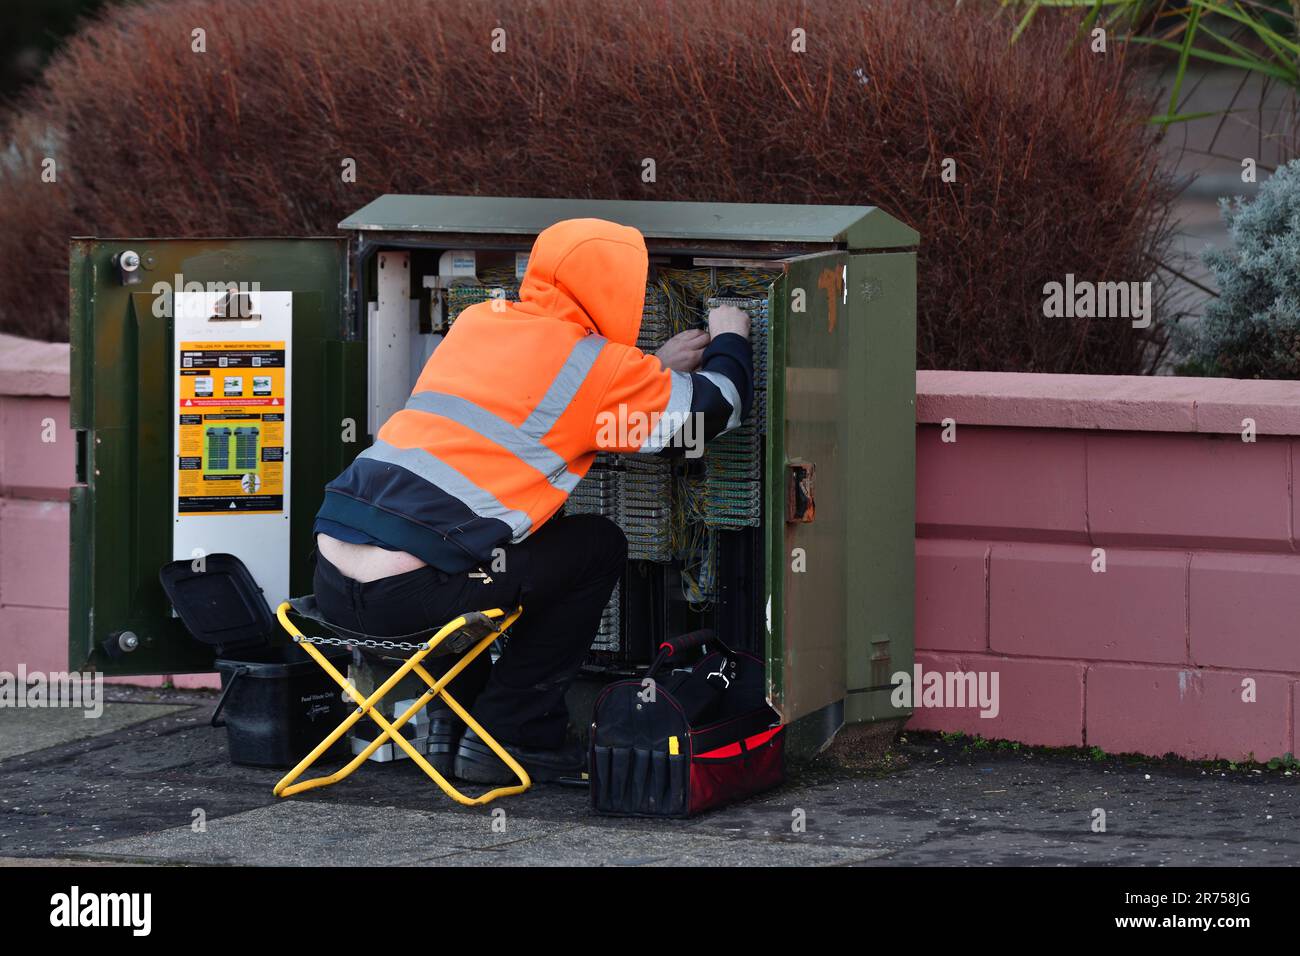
220, 605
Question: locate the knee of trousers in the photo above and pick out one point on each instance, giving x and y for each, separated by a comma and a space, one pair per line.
611, 542
602, 540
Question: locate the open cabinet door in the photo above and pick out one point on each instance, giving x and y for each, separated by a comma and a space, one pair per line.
840, 508
806, 513
213, 382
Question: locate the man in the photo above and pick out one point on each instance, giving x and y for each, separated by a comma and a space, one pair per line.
451, 510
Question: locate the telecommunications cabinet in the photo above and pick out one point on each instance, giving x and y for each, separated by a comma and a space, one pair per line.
218, 384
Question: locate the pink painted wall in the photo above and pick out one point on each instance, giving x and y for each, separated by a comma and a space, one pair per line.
34, 477
1201, 589
36, 469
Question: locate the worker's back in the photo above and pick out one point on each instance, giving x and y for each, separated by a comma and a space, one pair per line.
511, 408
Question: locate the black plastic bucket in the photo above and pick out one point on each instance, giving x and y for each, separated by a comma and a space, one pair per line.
277, 704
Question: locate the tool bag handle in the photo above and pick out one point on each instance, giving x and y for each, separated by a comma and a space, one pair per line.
674, 648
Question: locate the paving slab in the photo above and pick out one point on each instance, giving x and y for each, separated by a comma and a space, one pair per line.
340, 834
24, 861
955, 808
660, 846
316, 833
25, 730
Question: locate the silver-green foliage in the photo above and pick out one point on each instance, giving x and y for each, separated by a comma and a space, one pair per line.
1253, 329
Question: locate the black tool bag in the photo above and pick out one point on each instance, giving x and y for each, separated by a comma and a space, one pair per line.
699, 737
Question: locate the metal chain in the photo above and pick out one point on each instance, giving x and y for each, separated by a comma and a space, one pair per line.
375, 644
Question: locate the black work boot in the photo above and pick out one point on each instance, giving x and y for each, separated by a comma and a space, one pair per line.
476, 762
445, 729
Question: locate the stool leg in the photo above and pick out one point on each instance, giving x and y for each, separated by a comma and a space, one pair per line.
524, 780
286, 786
436, 689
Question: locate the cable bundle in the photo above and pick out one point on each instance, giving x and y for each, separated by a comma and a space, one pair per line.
461, 297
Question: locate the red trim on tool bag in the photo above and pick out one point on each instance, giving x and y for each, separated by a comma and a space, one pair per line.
717, 781
736, 748
727, 750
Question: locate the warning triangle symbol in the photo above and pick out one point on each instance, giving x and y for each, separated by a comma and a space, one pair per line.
232, 506
188, 402
275, 401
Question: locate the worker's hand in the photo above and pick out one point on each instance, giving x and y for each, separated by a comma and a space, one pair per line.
683, 352
728, 318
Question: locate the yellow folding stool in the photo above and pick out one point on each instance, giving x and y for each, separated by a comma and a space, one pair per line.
469, 635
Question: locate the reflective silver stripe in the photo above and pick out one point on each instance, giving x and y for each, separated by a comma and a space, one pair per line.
565, 386
420, 462
495, 429
728, 389
674, 416
565, 482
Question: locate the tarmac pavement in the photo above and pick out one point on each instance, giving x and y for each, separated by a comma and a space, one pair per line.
149, 782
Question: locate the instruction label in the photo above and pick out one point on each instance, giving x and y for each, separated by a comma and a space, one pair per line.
230, 439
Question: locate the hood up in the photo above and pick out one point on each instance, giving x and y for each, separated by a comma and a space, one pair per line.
591, 272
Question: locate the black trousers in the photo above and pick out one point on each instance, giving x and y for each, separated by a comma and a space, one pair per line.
563, 576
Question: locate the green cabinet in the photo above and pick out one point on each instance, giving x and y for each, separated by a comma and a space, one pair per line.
836, 535
123, 407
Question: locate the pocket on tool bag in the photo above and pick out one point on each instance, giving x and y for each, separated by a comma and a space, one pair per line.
638, 781
634, 770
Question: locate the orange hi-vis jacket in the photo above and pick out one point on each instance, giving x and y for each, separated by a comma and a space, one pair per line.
515, 402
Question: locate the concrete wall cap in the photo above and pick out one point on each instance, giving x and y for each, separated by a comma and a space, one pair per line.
31, 367
1108, 402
